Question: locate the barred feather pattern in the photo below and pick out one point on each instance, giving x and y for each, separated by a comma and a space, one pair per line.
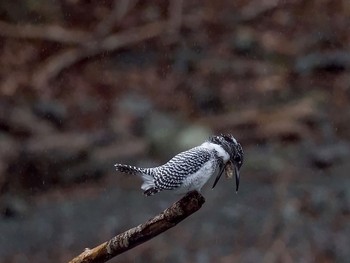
172, 174
128, 169
180, 172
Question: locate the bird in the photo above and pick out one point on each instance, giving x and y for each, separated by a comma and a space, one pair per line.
190, 170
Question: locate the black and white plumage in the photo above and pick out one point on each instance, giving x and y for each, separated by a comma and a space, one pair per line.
190, 170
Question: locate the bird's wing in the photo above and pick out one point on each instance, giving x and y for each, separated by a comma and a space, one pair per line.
171, 174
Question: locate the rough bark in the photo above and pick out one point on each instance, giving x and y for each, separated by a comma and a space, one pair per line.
170, 217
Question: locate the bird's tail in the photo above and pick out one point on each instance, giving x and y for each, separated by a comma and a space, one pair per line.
128, 169
148, 185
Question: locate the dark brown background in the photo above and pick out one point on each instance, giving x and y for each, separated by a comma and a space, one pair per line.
86, 84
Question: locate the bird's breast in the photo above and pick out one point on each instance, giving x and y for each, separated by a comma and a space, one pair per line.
196, 181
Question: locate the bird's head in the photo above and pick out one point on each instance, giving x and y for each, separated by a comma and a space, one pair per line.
234, 149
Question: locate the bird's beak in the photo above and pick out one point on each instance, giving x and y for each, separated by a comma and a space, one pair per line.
237, 177
218, 177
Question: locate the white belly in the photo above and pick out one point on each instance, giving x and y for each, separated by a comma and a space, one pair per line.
198, 179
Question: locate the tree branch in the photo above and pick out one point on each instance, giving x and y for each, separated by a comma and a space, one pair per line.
44, 32
133, 237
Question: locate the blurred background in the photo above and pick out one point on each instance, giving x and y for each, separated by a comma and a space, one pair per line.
86, 84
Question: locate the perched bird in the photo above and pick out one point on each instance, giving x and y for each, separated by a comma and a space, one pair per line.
190, 170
